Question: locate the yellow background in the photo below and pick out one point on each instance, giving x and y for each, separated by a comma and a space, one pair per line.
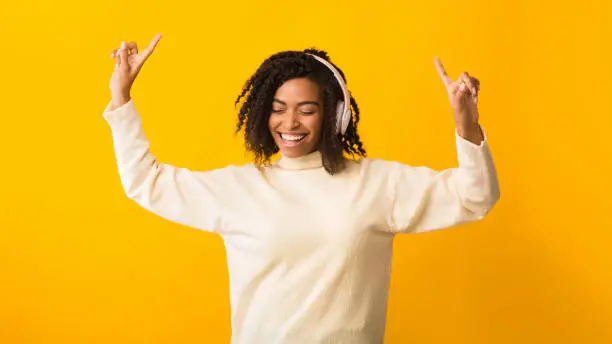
80, 263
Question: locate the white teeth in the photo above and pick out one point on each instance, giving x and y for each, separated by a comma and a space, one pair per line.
292, 137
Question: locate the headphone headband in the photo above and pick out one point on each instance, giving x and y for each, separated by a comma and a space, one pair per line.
343, 108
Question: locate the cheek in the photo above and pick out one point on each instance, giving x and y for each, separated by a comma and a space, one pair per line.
272, 123
315, 124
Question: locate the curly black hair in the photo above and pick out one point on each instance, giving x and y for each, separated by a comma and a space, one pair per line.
262, 85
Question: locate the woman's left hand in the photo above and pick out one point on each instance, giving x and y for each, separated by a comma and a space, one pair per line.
463, 96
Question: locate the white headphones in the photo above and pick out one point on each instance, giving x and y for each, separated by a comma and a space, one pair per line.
343, 108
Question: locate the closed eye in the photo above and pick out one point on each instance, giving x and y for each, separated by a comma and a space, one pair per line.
301, 112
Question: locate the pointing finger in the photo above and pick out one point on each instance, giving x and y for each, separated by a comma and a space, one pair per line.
442, 72
151, 47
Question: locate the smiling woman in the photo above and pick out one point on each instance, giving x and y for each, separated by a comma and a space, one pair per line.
291, 107
295, 122
309, 237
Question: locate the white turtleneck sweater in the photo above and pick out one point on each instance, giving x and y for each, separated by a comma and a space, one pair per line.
309, 254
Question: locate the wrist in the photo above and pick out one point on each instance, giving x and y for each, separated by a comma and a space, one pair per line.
472, 133
119, 101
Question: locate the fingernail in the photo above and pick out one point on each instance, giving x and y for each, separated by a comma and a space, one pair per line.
122, 45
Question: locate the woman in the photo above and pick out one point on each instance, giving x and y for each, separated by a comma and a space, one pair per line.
309, 236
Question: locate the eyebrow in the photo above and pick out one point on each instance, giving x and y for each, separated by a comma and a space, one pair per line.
307, 102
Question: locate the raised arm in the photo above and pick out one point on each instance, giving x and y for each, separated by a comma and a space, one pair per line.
177, 194
424, 199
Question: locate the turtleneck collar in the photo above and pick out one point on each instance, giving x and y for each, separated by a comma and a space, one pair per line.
305, 162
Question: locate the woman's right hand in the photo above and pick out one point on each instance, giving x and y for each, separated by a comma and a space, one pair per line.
128, 63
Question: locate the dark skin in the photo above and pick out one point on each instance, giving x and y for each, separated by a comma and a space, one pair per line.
297, 111
463, 97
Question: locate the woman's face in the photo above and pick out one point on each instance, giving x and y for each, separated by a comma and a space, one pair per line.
297, 116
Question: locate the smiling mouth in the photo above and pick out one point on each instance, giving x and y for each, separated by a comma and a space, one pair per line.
292, 139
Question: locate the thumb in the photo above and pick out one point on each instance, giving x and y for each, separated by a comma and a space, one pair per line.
123, 58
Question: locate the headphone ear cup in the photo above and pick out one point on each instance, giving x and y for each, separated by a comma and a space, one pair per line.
346, 119
340, 115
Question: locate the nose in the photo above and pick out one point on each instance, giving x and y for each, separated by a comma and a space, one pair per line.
291, 120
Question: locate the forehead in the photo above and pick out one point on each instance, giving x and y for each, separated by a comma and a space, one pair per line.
298, 89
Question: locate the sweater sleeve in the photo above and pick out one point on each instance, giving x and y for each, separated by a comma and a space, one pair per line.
176, 194
424, 199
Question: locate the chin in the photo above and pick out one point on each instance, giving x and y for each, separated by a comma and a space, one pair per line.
293, 153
